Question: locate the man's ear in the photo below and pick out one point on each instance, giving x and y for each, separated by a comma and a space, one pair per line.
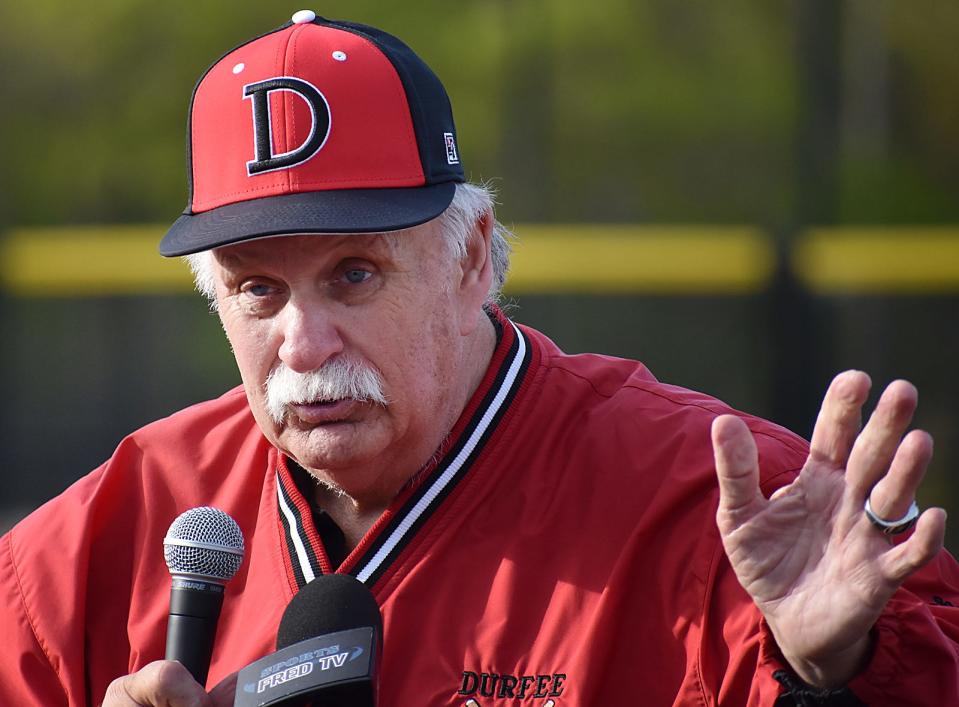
477, 273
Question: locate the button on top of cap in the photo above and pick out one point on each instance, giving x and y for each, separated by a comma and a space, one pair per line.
301, 17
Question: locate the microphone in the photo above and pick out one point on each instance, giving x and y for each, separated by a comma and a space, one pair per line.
329, 643
203, 550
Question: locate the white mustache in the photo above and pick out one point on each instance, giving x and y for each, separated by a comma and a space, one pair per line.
337, 379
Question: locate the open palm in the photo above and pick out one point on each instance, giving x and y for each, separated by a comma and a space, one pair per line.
815, 565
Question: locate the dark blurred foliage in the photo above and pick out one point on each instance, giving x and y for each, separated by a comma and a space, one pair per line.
615, 110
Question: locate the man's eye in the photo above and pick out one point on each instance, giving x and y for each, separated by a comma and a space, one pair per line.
355, 276
258, 290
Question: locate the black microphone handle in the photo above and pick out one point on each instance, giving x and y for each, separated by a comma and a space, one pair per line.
194, 610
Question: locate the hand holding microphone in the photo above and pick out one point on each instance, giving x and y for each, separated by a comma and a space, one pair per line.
203, 550
329, 640
164, 683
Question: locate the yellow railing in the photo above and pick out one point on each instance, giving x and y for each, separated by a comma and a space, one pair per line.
879, 260
576, 258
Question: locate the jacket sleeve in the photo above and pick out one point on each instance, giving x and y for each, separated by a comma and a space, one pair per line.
916, 655
27, 675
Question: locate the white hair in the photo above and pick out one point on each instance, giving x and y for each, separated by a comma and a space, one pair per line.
470, 203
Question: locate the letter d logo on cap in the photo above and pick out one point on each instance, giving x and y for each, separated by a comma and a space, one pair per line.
260, 92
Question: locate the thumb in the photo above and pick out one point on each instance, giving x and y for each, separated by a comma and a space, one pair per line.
162, 683
737, 469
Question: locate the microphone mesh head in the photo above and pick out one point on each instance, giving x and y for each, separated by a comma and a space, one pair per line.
204, 542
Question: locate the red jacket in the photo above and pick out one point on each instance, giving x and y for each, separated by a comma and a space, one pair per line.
562, 549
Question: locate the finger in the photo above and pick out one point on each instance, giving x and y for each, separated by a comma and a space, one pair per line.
875, 448
163, 683
840, 418
222, 695
893, 495
737, 469
926, 542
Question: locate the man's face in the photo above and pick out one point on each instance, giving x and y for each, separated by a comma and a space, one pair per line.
389, 307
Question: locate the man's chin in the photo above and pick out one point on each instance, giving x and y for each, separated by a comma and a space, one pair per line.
336, 445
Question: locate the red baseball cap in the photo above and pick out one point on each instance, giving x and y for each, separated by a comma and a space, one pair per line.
319, 126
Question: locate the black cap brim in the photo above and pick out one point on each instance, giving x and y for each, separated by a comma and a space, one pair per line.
330, 211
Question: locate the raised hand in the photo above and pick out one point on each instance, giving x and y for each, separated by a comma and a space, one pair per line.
818, 569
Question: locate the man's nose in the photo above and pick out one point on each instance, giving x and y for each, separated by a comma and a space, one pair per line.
310, 337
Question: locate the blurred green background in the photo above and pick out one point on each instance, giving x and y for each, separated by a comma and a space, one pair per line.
822, 135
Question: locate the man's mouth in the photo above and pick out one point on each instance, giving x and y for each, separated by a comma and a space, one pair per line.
323, 412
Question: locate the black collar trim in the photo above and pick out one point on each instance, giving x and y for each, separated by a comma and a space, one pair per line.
455, 464
304, 561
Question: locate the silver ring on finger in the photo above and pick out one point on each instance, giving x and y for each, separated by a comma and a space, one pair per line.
892, 527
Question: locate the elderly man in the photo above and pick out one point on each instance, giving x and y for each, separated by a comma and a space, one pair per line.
537, 528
